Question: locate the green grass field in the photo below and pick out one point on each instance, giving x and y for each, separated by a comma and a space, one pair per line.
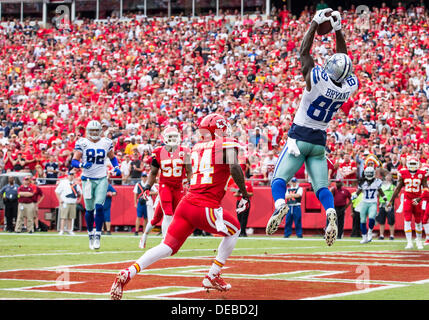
42, 252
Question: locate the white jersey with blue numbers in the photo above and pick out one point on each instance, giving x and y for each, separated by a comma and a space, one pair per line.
95, 152
370, 190
319, 105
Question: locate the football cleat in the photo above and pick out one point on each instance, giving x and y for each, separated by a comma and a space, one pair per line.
332, 229
409, 245
419, 244
216, 283
364, 239
369, 235
426, 242
97, 238
142, 243
118, 285
91, 241
276, 219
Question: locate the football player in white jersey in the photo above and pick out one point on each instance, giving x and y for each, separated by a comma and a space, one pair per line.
371, 189
92, 154
327, 88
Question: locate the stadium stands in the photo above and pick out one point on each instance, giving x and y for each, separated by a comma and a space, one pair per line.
139, 75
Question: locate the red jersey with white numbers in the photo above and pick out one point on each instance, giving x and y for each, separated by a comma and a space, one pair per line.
412, 182
171, 165
211, 172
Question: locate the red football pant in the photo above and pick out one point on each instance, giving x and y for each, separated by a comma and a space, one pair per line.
411, 210
157, 216
189, 217
169, 198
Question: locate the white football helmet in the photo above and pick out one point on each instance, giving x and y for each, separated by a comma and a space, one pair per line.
413, 163
171, 137
93, 130
338, 67
369, 173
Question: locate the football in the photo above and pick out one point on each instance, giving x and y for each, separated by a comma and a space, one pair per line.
325, 27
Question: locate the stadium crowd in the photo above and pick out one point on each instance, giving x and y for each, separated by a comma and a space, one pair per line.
139, 75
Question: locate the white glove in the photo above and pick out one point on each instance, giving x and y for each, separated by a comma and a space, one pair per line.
415, 201
242, 205
354, 196
320, 16
336, 24
292, 148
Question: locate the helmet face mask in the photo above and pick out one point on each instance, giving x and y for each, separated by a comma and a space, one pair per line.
369, 173
93, 130
413, 164
171, 137
338, 67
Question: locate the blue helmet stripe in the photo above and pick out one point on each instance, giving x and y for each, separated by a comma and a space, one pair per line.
346, 67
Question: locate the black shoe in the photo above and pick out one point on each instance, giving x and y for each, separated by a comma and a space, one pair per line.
391, 238
109, 233
381, 238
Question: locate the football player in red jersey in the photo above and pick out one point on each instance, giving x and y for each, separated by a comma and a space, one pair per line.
214, 161
173, 162
413, 180
425, 207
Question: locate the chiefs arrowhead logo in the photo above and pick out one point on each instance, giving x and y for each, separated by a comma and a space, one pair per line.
220, 123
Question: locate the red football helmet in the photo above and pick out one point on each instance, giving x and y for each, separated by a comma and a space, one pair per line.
171, 136
413, 163
216, 124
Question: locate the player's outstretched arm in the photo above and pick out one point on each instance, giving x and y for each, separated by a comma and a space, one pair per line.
307, 62
236, 171
335, 19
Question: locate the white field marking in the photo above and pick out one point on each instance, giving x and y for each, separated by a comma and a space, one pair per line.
368, 290
330, 262
116, 252
52, 283
169, 295
359, 258
262, 237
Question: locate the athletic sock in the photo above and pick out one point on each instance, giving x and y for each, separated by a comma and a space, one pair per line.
426, 227
278, 191
408, 231
165, 224
363, 228
151, 256
326, 198
215, 268
419, 230
99, 217
89, 219
148, 228
225, 249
